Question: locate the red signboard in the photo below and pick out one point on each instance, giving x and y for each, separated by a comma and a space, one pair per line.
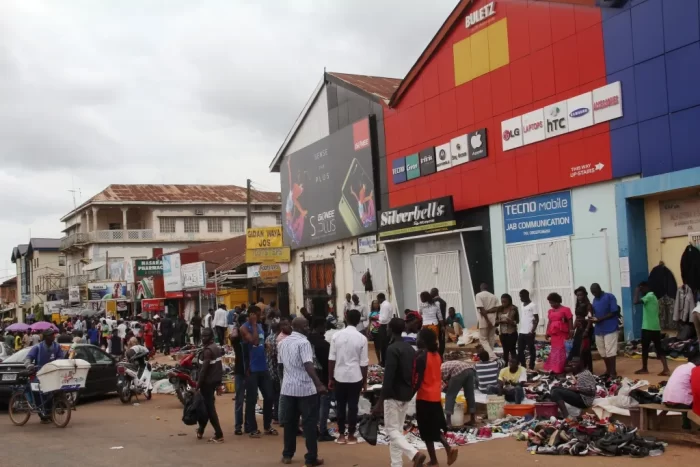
178, 294
152, 305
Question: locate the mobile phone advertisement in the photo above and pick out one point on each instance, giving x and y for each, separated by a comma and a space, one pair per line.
328, 189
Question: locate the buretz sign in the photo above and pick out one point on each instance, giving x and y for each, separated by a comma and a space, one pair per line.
417, 219
481, 14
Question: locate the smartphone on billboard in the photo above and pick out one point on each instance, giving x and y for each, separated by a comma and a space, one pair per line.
357, 206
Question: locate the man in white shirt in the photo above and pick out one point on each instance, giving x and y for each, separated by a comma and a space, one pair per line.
347, 368
121, 329
219, 323
386, 312
364, 312
486, 304
527, 328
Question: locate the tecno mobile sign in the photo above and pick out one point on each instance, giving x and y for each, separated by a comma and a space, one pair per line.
417, 219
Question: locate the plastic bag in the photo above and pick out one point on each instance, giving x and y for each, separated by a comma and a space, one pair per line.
194, 410
364, 406
369, 428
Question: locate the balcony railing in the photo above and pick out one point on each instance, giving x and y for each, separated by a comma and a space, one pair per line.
119, 236
107, 236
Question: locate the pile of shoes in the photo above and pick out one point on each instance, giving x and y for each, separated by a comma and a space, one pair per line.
375, 375
587, 436
457, 355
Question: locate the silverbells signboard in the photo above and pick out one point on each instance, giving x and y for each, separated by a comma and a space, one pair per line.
412, 220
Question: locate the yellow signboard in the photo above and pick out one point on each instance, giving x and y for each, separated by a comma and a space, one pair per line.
264, 237
268, 255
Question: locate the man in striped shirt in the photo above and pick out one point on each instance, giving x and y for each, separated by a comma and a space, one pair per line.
458, 375
487, 371
300, 390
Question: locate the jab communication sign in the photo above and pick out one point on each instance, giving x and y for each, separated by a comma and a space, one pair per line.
538, 218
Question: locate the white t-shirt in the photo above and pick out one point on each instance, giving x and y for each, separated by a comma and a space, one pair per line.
429, 312
364, 315
527, 317
349, 351
386, 312
487, 301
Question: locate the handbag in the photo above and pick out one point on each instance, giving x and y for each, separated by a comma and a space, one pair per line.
194, 410
369, 428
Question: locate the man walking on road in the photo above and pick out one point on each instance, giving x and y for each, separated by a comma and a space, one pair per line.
486, 304
396, 394
301, 388
347, 366
220, 323
209, 379
606, 327
257, 374
386, 312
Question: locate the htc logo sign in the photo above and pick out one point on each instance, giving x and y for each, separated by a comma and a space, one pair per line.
556, 125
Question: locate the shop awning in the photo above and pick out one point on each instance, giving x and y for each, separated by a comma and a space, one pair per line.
93, 266
449, 232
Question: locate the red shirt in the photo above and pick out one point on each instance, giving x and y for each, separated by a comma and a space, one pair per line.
430, 388
695, 388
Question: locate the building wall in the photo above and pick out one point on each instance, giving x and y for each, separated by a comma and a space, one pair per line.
593, 209
314, 127
550, 52
668, 250
653, 48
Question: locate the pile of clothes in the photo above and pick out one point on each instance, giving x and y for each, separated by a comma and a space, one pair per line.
672, 347
457, 355
375, 375
587, 435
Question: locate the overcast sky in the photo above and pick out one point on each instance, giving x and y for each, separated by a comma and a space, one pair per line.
171, 91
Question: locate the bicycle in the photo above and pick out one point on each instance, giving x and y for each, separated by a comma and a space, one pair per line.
23, 402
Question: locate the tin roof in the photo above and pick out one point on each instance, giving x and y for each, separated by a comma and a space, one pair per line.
44, 243
375, 85
9, 282
202, 194
230, 252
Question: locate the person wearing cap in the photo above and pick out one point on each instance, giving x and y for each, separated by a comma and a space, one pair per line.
44, 352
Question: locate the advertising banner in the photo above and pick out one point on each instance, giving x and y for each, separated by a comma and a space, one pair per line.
264, 237
194, 275
108, 291
74, 295
172, 279
367, 244
149, 267
328, 189
152, 305
417, 219
253, 271
273, 255
679, 217
144, 288
538, 218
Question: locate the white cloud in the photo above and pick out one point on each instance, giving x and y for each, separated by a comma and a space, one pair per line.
93, 93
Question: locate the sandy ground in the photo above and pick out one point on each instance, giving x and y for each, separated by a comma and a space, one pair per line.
151, 433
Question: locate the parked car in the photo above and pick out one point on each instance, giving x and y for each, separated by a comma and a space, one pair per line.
102, 377
5, 351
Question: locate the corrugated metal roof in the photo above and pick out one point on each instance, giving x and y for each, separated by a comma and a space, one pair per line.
218, 254
9, 282
45, 243
182, 193
376, 85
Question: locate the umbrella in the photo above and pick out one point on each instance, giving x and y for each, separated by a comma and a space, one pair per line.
21, 327
42, 326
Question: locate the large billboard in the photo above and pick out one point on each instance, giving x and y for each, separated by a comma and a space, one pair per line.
328, 188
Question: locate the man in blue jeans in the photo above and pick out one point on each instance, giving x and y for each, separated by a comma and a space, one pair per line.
239, 375
256, 373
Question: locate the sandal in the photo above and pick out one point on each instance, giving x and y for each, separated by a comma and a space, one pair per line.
255, 434
215, 440
271, 432
200, 434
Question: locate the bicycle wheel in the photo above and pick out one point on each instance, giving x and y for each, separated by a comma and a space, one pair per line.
19, 409
61, 412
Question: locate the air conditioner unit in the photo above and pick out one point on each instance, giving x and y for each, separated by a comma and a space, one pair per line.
199, 212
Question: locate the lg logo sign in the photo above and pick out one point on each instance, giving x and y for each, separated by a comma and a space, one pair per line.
508, 134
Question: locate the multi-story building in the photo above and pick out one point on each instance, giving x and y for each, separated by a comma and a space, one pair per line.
8, 299
125, 222
40, 270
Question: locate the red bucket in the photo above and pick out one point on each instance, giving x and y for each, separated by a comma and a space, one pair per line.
546, 410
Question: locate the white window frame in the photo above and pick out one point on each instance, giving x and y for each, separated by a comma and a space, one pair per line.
215, 225
232, 225
191, 224
167, 225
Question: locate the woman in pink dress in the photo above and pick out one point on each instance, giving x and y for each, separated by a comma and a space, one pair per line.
558, 330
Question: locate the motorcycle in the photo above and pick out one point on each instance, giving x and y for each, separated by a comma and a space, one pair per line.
134, 379
184, 376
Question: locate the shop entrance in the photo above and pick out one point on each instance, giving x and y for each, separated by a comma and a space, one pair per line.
376, 264
542, 268
319, 286
440, 270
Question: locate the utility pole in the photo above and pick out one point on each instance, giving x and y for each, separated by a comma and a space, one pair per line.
249, 224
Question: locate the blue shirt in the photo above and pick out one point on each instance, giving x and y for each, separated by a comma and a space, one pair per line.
40, 354
231, 318
93, 336
607, 303
257, 360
